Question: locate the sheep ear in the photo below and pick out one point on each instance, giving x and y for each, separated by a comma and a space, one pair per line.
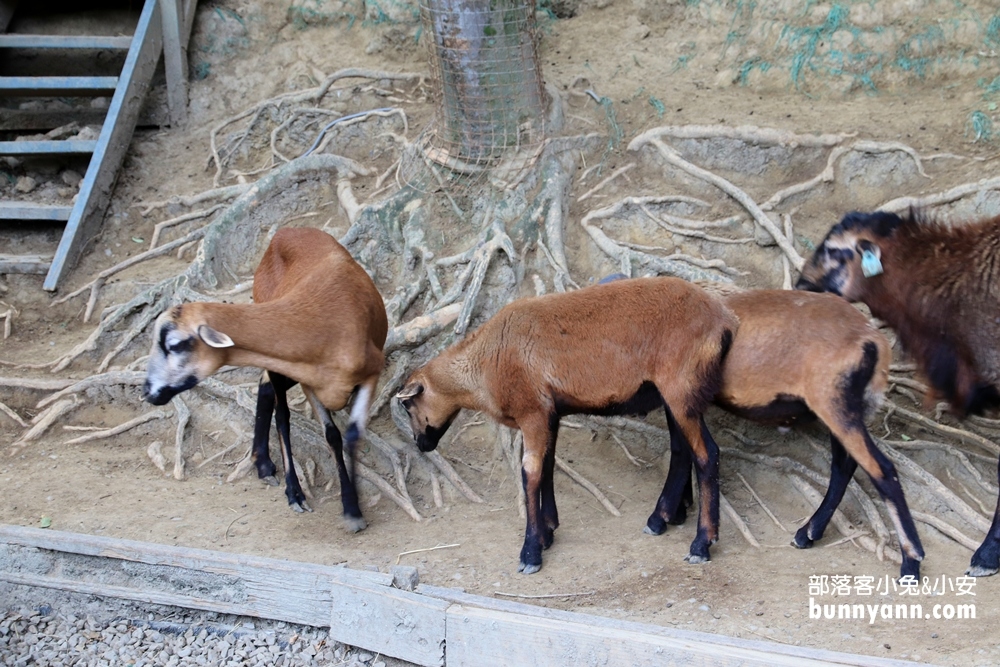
871, 258
214, 338
411, 390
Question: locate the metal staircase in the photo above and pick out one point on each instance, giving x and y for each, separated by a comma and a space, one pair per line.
163, 27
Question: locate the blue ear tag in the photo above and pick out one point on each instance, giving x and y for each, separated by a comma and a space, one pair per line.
871, 265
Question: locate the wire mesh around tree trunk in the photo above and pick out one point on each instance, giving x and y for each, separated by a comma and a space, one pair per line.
490, 105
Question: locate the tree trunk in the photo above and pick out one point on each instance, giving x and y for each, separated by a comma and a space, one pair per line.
487, 75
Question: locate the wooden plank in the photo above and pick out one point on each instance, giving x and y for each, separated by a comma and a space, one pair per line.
21, 41
175, 59
26, 211
24, 264
485, 637
46, 147
230, 583
116, 134
392, 622
57, 85
363, 610
525, 634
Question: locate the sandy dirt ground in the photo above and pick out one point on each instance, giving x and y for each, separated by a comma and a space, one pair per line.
658, 63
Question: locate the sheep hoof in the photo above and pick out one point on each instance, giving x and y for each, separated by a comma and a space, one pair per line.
354, 524
271, 480
694, 559
297, 508
528, 569
802, 539
980, 571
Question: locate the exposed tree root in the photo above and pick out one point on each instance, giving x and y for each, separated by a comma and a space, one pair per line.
905, 203
42, 422
617, 172
671, 156
741, 525
946, 529
943, 429
4, 408
746, 133
906, 466
760, 501
289, 100
121, 428
587, 484
627, 257
193, 200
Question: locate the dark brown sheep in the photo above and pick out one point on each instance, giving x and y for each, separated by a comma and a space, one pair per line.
938, 286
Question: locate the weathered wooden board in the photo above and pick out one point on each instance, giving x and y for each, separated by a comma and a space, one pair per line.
485, 632
392, 622
432, 626
193, 578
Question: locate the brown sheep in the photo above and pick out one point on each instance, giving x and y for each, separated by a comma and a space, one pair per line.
938, 286
623, 348
317, 319
799, 356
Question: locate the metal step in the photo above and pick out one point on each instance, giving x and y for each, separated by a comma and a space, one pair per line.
70, 147
26, 211
25, 264
57, 85
8, 41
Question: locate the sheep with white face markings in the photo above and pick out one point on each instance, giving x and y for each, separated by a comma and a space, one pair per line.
938, 287
317, 320
623, 348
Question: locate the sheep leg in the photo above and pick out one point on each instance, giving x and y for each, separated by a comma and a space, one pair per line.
353, 520
550, 515
693, 434
842, 468
538, 440
853, 435
282, 420
986, 560
677, 494
706, 457
883, 475
260, 454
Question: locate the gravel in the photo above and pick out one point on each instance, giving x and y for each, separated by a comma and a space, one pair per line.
51, 638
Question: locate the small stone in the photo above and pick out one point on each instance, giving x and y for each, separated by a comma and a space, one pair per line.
25, 184
100, 103
71, 178
364, 657
405, 577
